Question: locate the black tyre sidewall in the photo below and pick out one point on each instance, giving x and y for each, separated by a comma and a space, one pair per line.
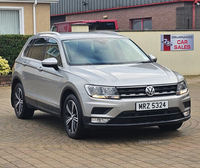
26, 112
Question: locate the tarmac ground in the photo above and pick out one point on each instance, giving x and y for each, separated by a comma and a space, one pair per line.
42, 142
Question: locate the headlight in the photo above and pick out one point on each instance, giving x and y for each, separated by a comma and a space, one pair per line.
182, 88
102, 92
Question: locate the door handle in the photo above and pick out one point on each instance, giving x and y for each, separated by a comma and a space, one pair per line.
40, 69
24, 63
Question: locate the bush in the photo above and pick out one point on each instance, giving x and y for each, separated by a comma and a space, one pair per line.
11, 45
4, 67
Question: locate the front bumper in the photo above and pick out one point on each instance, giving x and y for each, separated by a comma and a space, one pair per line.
150, 119
122, 113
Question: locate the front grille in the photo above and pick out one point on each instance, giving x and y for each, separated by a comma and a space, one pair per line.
150, 116
140, 91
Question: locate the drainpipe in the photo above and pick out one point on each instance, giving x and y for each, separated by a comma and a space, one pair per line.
193, 14
34, 17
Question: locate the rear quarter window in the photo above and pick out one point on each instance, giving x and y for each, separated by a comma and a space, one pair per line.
27, 52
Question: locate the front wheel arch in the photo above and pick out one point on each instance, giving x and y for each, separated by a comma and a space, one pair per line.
72, 118
64, 95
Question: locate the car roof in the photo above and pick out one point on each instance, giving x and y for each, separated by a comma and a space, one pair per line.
78, 35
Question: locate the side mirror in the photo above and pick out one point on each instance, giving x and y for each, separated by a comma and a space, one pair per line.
153, 58
50, 62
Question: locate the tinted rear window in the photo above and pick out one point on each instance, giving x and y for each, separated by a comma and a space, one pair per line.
102, 26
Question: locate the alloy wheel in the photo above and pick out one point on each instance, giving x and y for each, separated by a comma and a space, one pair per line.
18, 101
72, 116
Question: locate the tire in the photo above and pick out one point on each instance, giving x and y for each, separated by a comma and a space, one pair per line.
20, 107
170, 127
72, 118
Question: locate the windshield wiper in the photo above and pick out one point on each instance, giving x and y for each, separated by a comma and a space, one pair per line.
145, 62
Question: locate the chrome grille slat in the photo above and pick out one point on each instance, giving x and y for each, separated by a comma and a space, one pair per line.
127, 92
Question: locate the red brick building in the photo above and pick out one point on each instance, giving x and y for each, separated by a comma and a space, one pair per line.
132, 14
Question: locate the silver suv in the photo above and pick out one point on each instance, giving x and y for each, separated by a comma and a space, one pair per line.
96, 80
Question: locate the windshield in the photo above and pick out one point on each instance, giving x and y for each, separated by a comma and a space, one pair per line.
103, 51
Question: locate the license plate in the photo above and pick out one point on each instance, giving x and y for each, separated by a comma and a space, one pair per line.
151, 105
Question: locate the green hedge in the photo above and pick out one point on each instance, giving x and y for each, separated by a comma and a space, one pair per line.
11, 45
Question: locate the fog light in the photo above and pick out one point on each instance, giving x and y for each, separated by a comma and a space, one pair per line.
186, 113
99, 120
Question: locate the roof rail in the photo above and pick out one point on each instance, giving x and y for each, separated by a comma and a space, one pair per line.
106, 32
49, 32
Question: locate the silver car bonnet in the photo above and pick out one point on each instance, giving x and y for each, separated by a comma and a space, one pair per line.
126, 74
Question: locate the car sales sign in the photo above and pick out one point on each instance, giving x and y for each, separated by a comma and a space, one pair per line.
177, 42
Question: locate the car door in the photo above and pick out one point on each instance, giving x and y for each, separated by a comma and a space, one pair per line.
32, 56
49, 80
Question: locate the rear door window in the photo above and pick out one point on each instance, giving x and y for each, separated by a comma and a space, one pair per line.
36, 49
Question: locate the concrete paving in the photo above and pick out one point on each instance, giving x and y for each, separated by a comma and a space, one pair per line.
42, 142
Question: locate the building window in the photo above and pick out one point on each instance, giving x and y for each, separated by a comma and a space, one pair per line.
12, 20
141, 24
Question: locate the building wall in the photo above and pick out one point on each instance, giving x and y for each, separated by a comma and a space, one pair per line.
42, 16
163, 16
184, 17
57, 19
76, 6
197, 13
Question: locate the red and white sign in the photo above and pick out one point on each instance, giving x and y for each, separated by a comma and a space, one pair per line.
177, 42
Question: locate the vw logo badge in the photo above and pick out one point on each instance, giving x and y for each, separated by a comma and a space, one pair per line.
150, 90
